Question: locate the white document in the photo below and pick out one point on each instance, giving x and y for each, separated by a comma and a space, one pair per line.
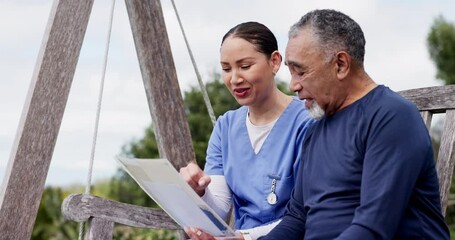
161, 181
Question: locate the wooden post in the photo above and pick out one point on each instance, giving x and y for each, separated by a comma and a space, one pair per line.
446, 158
99, 229
41, 117
160, 80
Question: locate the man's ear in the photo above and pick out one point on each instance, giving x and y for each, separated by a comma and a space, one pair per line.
343, 63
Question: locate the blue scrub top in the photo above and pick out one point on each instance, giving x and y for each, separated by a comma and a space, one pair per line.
250, 175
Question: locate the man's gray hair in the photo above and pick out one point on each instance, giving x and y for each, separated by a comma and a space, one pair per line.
335, 32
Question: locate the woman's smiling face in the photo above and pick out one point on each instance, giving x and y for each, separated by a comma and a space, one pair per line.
246, 72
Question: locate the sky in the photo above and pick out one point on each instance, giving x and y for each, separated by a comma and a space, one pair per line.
396, 56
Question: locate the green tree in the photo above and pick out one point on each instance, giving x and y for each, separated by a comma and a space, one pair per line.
441, 46
49, 223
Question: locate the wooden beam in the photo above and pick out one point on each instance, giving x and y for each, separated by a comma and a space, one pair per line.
160, 80
41, 117
434, 99
427, 116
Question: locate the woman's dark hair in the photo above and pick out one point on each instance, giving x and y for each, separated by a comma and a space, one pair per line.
257, 34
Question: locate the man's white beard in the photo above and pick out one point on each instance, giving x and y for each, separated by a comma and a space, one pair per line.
316, 112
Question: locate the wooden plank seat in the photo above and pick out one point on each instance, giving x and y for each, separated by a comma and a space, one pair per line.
430, 100
102, 213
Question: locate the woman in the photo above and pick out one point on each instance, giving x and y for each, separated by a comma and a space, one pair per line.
253, 151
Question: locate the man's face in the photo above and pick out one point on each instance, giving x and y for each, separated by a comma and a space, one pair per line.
312, 75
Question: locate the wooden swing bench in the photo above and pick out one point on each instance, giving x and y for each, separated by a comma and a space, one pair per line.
45, 104
102, 213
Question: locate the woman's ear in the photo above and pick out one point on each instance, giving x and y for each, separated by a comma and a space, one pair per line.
275, 60
343, 64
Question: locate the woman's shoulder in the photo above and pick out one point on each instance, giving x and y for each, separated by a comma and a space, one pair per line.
233, 115
297, 103
298, 110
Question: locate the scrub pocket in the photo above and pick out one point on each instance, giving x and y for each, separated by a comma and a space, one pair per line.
282, 189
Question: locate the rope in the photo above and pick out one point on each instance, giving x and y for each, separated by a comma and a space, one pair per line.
100, 97
201, 84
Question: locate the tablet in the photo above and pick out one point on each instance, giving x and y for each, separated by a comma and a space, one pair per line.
161, 181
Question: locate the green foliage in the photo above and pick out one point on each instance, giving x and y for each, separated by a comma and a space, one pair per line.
49, 223
146, 147
100, 188
441, 45
284, 87
129, 233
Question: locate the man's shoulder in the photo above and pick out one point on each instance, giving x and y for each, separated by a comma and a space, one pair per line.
383, 99
389, 108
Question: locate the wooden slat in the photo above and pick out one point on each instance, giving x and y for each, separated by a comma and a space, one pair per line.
41, 117
160, 80
427, 116
446, 158
80, 207
99, 229
434, 99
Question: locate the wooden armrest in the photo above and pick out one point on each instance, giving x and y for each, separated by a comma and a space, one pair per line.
80, 207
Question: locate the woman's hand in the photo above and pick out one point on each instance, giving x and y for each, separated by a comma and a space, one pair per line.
196, 234
195, 177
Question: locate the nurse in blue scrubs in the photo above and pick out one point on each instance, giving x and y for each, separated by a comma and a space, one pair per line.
253, 152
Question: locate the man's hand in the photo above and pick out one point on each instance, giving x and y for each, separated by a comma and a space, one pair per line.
195, 177
196, 234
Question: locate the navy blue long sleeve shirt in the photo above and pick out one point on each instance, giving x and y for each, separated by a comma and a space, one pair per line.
367, 173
